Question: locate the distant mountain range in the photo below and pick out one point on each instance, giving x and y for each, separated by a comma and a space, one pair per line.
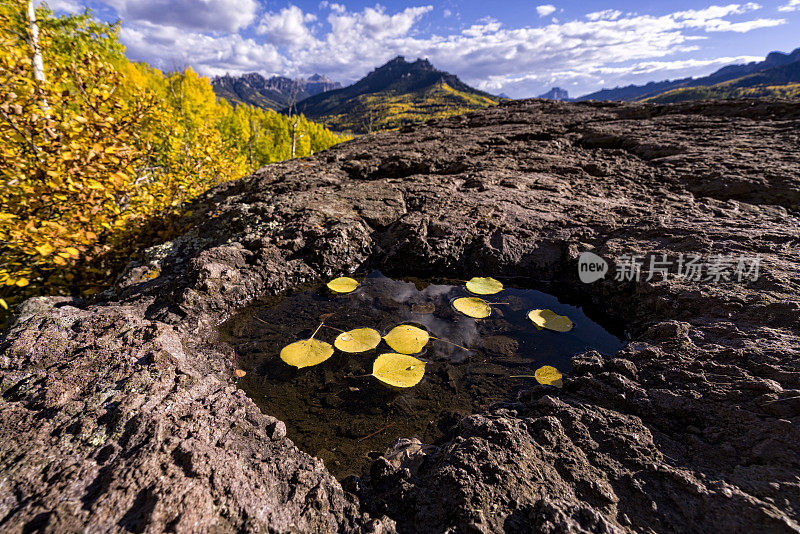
759, 78
271, 93
402, 92
399, 92
556, 93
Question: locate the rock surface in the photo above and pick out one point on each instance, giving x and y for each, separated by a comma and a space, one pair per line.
121, 414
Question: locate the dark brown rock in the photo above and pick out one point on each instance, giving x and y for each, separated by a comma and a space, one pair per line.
121, 414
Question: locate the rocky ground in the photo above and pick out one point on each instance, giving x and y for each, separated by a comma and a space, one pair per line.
121, 414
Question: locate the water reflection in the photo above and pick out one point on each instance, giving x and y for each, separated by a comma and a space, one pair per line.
331, 409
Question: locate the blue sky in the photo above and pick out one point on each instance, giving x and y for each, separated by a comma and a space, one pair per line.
519, 48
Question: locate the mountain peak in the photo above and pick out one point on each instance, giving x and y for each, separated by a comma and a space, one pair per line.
319, 78
556, 93
781, 58
401, 62
416, 85
400, 76
273, 93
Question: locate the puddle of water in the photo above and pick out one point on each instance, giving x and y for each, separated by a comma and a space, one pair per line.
335, 413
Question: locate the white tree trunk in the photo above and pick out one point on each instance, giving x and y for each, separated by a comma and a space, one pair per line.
294, 138
38, 64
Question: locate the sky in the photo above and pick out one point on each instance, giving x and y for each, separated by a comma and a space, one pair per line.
521, 49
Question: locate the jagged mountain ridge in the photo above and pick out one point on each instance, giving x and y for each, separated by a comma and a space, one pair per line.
780, 82
272, 93
556, 93
774, 60
394, 94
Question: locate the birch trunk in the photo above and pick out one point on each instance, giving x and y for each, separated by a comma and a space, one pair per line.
38, 64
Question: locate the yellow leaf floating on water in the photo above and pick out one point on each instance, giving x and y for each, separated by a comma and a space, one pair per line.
484, 286
473, 307
399, 370
358, 340
549, 376
240, 373
3, 304
550, 320
343, 284
407, 339
306, 353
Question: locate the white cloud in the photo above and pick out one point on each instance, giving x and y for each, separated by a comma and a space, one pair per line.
287, 27
374, 23
743, 27
793, 5
203, 15
59, 6
605, 47
338, 8
479, 30
608, 14
592, 79
545, 10
171, 48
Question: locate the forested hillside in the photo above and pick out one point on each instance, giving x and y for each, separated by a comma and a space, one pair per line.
395, 94
97, 152
776, 82
725, 91
776, 76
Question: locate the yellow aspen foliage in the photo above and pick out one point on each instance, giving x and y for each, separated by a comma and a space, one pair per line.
101, 147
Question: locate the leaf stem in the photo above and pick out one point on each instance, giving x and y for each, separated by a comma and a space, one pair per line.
522, 376
449, 342
333, 328
317, 330
376, 432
